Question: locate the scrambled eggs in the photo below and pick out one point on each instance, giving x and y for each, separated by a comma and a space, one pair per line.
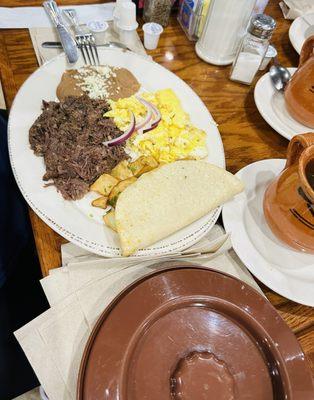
174, 138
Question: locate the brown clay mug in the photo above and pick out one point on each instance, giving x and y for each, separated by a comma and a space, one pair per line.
289, 199
299, 93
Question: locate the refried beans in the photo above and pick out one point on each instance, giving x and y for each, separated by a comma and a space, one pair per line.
101, 82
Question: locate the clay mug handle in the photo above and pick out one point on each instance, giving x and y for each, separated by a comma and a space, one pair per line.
306, 157
307, 51
296, 146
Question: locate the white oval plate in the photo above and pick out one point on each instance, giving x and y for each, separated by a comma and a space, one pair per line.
78, 221
284, 270
271, 105
300, 29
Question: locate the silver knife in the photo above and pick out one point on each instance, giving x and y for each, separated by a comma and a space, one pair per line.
67, 41
58, 45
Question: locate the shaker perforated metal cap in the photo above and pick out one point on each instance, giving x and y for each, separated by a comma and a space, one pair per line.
262, 26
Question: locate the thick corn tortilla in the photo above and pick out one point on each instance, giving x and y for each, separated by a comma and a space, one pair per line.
169, 198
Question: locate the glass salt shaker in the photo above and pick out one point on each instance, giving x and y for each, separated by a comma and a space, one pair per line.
252, 49
157, 11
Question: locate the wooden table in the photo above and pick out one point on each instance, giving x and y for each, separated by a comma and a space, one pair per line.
246, 136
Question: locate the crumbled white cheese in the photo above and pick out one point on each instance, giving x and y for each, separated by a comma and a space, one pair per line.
95, 80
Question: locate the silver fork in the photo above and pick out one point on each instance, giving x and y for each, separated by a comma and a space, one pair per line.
84, 39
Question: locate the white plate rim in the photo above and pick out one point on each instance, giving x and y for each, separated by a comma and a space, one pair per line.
103, 250
264, 85
294, 32
237, 243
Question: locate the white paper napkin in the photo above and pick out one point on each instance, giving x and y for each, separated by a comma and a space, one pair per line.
41, 35
54, 342
209, 243
293, 9
78, 293
34, 17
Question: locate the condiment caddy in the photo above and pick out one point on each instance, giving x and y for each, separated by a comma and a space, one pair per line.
192, 16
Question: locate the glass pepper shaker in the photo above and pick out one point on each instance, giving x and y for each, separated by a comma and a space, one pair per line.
252, 49
157, 11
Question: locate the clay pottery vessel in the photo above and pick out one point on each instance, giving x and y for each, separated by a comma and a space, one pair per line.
187, 332
299, 93
289, 199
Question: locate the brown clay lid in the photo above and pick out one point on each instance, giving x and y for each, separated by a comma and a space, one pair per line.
190, 333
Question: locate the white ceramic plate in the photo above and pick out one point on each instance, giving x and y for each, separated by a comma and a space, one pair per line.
300, 29
271, 105
78, 221
284, 270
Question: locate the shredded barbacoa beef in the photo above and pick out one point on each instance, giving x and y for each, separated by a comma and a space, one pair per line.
69, 136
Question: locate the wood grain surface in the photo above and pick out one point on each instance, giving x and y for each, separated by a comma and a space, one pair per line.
246, 136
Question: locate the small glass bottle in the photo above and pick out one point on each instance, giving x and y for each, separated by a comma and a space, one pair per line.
157, 11
252, 49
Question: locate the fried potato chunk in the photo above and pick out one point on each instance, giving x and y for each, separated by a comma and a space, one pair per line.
104, 184
110, 221
100, 202
143, 164
115, 192
122, 171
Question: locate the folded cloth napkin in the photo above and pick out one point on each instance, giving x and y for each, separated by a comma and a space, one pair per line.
293, 9
78, 292
41, 35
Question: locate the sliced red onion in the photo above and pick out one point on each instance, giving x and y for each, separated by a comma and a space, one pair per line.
146, 119
150, 128
126, 134
157, 116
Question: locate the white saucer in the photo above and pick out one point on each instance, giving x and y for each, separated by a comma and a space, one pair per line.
284, 270
300, 29
271, 105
